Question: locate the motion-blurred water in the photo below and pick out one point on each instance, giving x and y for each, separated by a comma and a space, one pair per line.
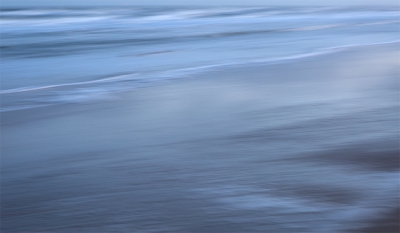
64, 55
272, 120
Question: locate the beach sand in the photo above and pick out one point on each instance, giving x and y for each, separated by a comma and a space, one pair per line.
304, 145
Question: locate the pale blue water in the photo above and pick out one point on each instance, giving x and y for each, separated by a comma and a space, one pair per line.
52, 56
273, 119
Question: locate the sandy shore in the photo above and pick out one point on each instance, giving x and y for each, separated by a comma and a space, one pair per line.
243, 149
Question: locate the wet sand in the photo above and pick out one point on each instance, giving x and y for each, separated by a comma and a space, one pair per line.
308, 145
388, 223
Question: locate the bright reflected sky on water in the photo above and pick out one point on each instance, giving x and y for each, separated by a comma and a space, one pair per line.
21, 3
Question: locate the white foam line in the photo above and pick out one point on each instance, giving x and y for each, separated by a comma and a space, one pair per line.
173, 74
378, 23
9, 109
363, 45
319, 52
184, 71
316, 27
324, 51
26, 89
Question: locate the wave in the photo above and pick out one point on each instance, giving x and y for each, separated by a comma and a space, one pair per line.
378, 23
54, 13
328, 26
171, 13
195, 13
24, 107
125, 77
85, 43
77, 92
49, 22
192, 70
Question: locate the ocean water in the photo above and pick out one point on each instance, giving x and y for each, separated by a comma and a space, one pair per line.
218, 119
73, 55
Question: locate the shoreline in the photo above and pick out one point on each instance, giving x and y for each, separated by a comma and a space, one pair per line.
187, 74
234, 145
263, 65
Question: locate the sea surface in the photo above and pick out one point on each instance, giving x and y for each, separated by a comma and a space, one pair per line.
67, 55
200, 119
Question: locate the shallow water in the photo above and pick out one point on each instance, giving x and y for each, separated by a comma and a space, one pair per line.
55, 56
200, 120
220, 152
